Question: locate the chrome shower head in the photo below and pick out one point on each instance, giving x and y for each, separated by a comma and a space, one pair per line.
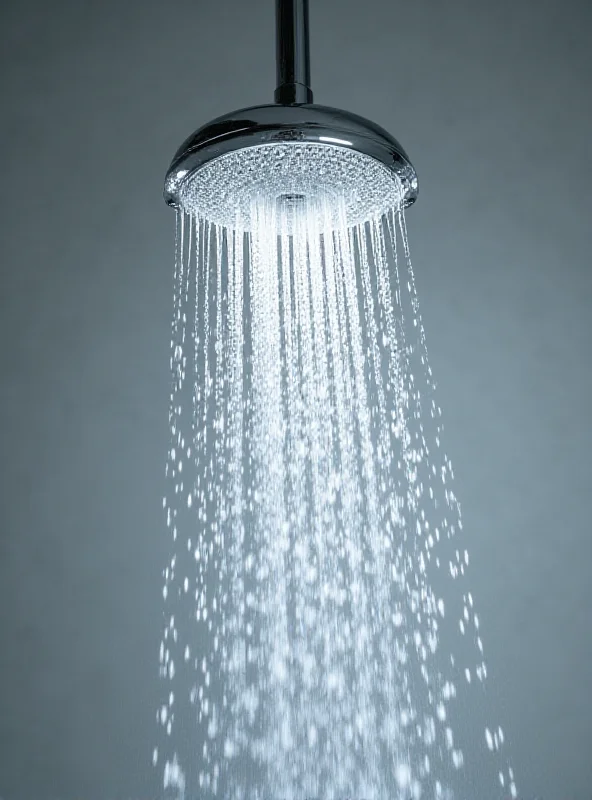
290, 149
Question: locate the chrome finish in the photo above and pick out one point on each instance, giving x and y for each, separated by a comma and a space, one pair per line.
292, 52
288, 123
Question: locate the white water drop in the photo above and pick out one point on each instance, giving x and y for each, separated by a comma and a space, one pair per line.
403, 776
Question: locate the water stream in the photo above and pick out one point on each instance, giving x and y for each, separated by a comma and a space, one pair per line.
320, 633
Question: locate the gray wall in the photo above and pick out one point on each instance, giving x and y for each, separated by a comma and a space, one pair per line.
492, 101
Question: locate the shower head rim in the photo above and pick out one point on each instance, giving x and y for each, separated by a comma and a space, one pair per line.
272, 124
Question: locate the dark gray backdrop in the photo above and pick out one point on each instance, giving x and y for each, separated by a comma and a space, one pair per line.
492, 101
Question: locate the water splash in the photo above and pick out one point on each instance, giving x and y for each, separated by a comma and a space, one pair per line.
319, 626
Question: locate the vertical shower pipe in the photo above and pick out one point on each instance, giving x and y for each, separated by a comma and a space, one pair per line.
292, 53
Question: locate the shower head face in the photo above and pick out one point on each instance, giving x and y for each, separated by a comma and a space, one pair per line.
293, 158
290, 179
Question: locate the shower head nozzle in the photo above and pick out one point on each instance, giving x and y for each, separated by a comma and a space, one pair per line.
291, 149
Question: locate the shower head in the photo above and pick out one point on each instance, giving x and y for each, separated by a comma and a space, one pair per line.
291, 152
286, 150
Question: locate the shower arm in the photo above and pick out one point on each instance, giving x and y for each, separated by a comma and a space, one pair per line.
292, 53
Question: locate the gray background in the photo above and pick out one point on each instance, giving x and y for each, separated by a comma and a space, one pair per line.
492, 101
